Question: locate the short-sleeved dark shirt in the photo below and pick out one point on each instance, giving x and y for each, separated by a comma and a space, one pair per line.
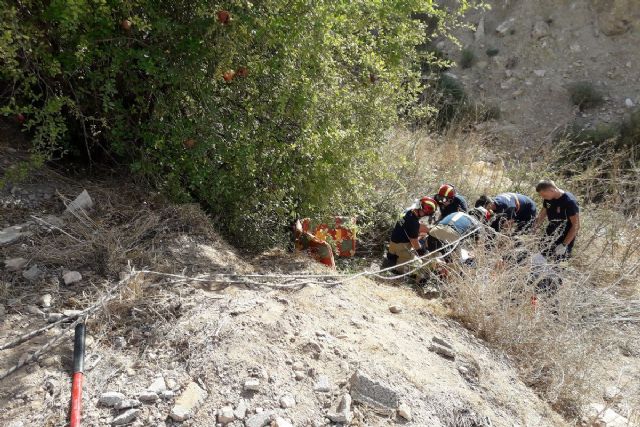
458, 204
406, 228
558, 213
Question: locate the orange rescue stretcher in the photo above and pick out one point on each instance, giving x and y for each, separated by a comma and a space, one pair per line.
313, 238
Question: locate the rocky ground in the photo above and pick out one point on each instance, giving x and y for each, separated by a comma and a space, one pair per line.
172, 350
540, 47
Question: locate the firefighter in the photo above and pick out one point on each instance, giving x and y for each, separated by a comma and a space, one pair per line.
561, 209
450, 201
511, 211
405, 244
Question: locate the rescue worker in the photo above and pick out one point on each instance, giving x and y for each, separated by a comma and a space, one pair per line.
512, 211
450, 201
561, 209
453, 227
405, 243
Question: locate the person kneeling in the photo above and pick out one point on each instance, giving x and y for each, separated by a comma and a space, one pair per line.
453, 228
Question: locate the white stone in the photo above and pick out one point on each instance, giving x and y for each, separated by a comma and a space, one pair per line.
111, 398
126, 417
297, 366
167, 394
12, 234
158, 385
83, 201
540, 30
148, 396
32, 309
127, 404
540, 73
342, 413
607, 416
612, 394
192, 396
32, 274
241, 410
287, 401
252, 384
225, 415
71, 313
505, 27
71, 277
259, 420
45, 300
404, 411
322, 385
15, 264
281, 422
629, 103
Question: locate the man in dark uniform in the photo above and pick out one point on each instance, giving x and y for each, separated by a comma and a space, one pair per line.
512, 211
405, 243
561, 209
450, 201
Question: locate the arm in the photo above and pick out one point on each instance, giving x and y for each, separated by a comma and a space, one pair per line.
415, 244
540, 218
573, 231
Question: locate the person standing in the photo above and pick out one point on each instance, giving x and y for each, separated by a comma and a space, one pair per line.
561, 209
405, 243
450, 201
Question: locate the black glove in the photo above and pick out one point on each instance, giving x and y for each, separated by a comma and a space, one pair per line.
422, 251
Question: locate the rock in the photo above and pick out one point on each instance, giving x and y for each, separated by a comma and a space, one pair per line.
45, 300
603, 416
540, 29
404, 411
540, 73
54, 317
126, 417
15, 264
505, 27
12, 234
158, 385
299, 375
612, 394
445, 352
32, 274
185, 406
82, 202
297, 366
119, 343
616, 17
111, 398
342, 413
71, 277
225, 415
148, 396
479, 33
322, 385
259, 419
629, 103
32, 309
281, 422
241, 410
441, 342
395, 309
287, 401
167, 394
72, 313
252, 384
127, 404
366, 390
3, 311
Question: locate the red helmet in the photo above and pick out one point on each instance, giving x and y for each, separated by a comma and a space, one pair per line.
447, 190
428, 205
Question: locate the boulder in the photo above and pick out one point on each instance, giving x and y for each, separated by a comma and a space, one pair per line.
225, 415
111, 398
371, 392
12, 234
322, 385
186, 405
342, 413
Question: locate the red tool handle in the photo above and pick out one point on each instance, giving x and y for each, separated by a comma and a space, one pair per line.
78, 368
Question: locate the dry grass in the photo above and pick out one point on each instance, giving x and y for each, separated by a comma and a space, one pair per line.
561, 343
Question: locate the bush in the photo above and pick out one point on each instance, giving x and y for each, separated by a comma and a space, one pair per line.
278, 111
467, 58
585, 95
492, 51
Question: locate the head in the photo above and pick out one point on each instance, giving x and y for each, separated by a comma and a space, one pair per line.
446, 193
481, 214
485, 202
548, 189
427, 206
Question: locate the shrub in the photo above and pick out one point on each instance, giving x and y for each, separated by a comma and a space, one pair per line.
278, 112
467, 58
492, 51
584, 95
